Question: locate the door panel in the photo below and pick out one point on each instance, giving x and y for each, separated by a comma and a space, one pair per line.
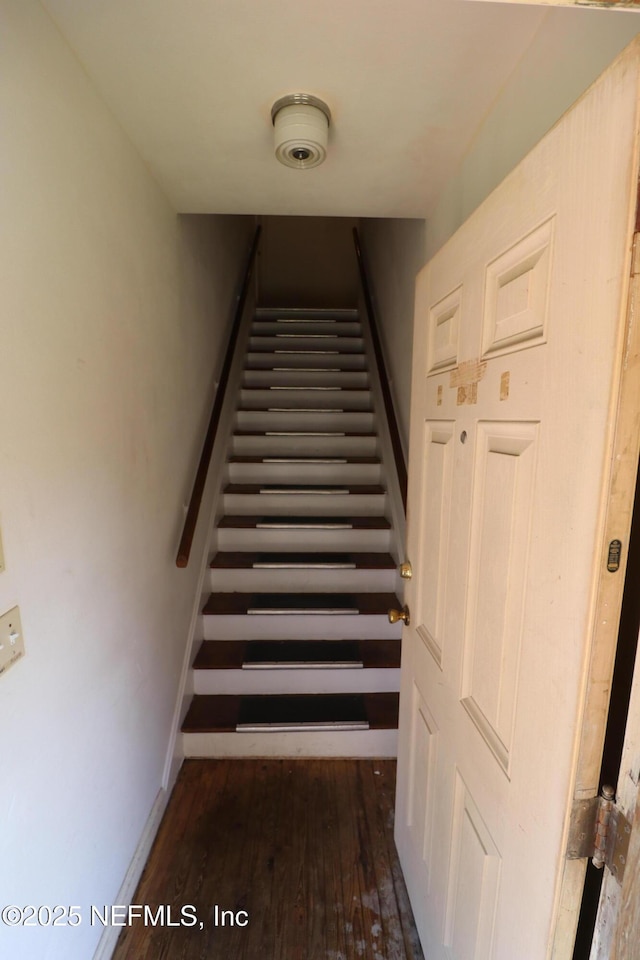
518, 338
434, 526
473, 883
499, 546
517, 294
423, 753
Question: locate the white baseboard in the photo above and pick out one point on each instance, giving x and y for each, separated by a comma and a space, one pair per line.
109, 938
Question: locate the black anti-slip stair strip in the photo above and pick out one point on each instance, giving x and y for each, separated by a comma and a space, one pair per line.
306, 313
247, 560
329, 708
222, 714
355, 523
232, 654
302, 651
238, 604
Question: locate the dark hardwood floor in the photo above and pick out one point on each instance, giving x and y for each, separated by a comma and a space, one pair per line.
300, 852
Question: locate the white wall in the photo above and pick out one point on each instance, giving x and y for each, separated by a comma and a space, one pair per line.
113, 318
394, 253
570, 50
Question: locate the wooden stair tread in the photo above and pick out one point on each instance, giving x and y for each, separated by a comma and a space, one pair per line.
355, 523
305, 313
247, 560
302, 460
251, 488
232, 654
337, 372
287, 334
237, 603
306, 352
335, 413
243, 408
303, 387
294, 331
347, 326
305, 433
211, 713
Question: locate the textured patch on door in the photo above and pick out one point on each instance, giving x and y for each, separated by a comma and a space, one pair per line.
504, 385
467, 394
465, 377
439, 396
467, 373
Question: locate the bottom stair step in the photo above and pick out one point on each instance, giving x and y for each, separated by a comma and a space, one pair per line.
292, 712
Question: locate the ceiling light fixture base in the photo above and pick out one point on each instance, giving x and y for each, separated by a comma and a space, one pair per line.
301, 130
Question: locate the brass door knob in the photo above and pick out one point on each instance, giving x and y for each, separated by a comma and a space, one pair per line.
395, 615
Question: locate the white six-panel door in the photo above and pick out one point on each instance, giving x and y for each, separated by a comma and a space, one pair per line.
519, 329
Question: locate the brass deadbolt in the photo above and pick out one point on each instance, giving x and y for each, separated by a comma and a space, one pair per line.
405, 570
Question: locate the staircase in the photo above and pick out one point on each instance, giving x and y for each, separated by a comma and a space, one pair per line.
298, 657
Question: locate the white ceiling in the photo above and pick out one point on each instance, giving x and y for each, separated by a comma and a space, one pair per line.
193, 81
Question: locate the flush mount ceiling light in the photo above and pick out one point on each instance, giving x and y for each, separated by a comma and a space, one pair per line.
301, 128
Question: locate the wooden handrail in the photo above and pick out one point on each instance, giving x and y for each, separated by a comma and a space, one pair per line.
398, 453
191, 519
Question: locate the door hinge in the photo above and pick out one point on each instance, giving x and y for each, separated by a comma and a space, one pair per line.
600, 830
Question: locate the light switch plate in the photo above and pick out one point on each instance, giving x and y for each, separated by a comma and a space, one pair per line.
11, 639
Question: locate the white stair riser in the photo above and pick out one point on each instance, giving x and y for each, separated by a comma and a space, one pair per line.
301, 581
319, 344
349, 328
305, 504
356, 743
261, 445
235, 538
267, 420
335, 399
307, 473
268, 360
282, 681
277, 626
304, 378
305, 314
